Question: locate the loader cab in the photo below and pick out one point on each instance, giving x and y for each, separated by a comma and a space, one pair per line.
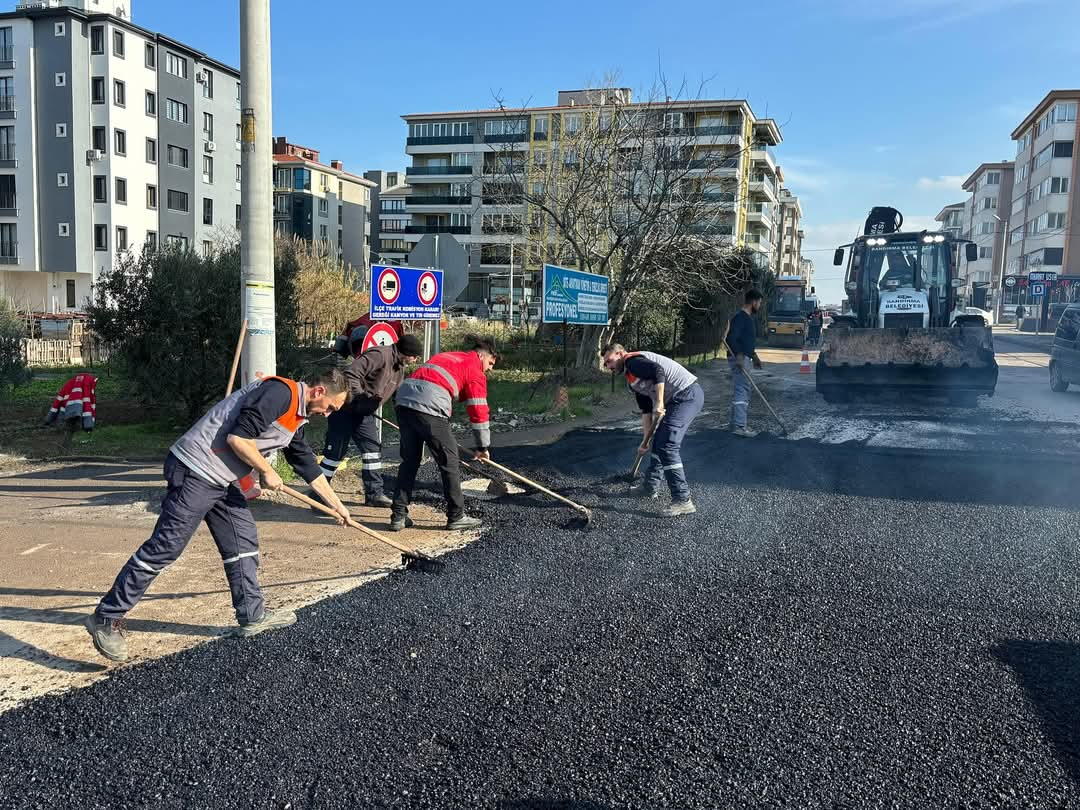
901, 280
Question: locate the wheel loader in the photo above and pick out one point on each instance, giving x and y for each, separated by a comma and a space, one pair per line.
895, 334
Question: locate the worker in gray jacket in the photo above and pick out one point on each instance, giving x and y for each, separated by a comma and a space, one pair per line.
210, 473
669, 397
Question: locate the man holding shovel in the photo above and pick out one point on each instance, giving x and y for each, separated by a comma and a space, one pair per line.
741, 347
669, 397
210, 476
372, 377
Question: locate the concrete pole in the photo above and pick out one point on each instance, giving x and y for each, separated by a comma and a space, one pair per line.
511, 321
257, 194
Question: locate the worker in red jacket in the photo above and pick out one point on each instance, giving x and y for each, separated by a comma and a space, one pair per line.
76, 404
424, 403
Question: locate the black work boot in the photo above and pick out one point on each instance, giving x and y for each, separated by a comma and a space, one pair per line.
381, 501
108, 636
399, 522
644, 490
270, 620
463, 523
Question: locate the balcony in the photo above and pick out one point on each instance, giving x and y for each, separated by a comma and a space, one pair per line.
714, 131
764, 154
713, 164
437, 171
763, 185
436, 199
507, 137
461, 230
722, 197
711, 229
437, 140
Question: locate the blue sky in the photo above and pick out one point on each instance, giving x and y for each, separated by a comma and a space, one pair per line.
879, 103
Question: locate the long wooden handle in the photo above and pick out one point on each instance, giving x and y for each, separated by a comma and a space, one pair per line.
236, 357
464, 463
533, 484
314, 504
641, 455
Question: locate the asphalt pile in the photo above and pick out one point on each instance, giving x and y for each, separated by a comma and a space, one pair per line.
834, 627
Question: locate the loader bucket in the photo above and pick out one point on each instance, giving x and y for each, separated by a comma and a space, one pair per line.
956, 362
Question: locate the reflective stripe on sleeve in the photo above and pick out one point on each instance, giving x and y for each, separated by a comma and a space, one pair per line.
472, 403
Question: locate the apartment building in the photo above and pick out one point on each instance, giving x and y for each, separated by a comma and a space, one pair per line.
790, 235
321, 203
383, 180
111, 137
1044, 212
454, 154
985, 223
393, 246
950, 219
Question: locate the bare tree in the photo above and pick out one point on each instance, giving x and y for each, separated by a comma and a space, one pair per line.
646, 193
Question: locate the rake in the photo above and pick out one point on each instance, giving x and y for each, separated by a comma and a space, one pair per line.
412, 559
750, 377
584, 514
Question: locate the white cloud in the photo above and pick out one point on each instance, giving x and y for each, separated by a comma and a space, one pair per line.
945, 182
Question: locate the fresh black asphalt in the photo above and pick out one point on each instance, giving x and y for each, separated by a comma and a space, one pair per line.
835, 627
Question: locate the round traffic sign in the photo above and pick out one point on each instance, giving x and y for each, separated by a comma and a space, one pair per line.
380, 334
389, 285
427, 289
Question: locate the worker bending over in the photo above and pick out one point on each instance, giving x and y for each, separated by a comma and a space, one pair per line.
209, 473
669, 397
424, 404
372, 377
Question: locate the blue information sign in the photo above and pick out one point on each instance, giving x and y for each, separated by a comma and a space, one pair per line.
574, 297
405, 293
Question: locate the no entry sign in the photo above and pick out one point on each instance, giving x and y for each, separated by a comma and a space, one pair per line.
406, 293
380, 334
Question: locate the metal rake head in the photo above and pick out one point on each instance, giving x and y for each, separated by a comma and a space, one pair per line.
422, 562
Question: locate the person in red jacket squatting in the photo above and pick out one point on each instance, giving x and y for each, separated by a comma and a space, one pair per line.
424, 403
210, 476
77, 401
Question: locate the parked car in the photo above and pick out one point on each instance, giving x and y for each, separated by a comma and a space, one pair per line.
986, 315
1065, 353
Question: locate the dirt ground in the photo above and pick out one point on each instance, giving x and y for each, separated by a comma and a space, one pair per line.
66, 530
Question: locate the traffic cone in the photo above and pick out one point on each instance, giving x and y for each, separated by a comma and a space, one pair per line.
804, 364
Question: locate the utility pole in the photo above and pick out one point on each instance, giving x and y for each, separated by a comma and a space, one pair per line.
256, 194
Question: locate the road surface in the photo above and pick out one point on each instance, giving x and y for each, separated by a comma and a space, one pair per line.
880, 614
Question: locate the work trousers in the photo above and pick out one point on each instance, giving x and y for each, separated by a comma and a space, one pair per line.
666, 459
189, 501
419, 429
740, 398
346, 426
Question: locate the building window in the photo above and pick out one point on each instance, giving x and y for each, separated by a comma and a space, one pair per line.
69, 288
1023, 142
97, 39
121, 191
207, 169
239, 172
1055, 222
99, 139
177, 156
207, 248
175, 65
238, 211
1063, 149
151, 55
119, 93
9, 241
993, 178
1059, 185
985, 228
460, 220
7, 192
177, 241
151, 102
989, 203
208, 84
397, 206
62, 180
60, 29
61, 130
239, 135
208, 126
61, 79
121, 142
324, 208
151, 240
97, 90
118, 44
207, 211
151, 197
985, 252
121, 238
176, 111
151, 150
177, 201
101, 188
101, 237
509, 126
239, 95
323, 232
340, 210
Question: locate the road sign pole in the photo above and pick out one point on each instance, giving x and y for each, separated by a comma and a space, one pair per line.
511, 321
437, 342
564, 351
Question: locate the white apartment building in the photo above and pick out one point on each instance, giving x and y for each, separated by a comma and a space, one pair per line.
1043, 213
985, 220
393, 245
790, 236
453, 152
111, 137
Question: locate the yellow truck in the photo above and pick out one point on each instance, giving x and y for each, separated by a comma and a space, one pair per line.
786, 317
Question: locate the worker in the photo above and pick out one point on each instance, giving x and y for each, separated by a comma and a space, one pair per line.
372, 377
669, 397
76, 404
424, 403
210, 477
741, 347
1019, 316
